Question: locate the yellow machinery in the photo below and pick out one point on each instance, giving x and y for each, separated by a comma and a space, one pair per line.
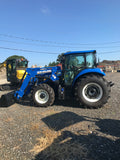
15, 69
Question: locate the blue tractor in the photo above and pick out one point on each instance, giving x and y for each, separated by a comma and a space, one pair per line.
78, 78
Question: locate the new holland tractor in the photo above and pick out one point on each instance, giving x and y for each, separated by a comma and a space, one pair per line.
78, 78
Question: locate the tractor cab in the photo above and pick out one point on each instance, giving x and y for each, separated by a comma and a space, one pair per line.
74, 62
15, 69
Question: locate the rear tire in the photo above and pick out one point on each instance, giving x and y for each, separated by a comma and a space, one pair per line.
92, 91
43, 95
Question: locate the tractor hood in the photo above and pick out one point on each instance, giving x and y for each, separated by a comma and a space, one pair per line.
52, 72
49, 70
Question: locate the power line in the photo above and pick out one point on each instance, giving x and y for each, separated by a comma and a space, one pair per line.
23, 50
53, 42
109, 52
45, 45
29, 39
33, 44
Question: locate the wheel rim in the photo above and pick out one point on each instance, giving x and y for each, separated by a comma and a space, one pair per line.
92, 92
42, 96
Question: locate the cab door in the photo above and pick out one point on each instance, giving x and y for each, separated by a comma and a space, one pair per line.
73, 65
11, 71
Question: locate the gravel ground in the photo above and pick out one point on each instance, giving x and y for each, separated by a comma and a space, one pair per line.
64, 131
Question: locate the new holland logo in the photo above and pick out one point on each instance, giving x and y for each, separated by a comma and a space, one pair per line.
42, 72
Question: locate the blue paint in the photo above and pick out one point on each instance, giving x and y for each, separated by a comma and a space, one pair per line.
80, 52
88, 71
52, 73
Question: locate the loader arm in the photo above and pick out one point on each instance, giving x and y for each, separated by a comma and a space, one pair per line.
32, 76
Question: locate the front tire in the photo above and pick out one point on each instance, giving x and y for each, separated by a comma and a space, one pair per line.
43, 95
92, 91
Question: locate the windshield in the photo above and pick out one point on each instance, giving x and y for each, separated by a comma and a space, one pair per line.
22, 64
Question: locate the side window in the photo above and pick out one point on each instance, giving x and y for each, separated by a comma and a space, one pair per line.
74, 60
89, 60
80, 61
13, 66
9, 67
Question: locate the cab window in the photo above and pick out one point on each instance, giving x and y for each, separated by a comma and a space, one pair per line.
90, 59
22, 64
74, 61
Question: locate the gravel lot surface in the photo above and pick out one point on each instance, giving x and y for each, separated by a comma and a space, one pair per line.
64, 131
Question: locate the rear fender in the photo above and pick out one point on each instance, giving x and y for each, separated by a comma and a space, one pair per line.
88, 71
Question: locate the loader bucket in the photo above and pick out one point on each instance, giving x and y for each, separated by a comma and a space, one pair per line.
7, 87
7, 100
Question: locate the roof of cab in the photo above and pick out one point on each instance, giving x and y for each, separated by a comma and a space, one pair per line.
80, 52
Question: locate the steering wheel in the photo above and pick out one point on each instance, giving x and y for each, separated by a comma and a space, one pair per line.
76, 68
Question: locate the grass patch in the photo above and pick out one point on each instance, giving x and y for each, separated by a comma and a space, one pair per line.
46, 140
49, 112
57, 145
34, 126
